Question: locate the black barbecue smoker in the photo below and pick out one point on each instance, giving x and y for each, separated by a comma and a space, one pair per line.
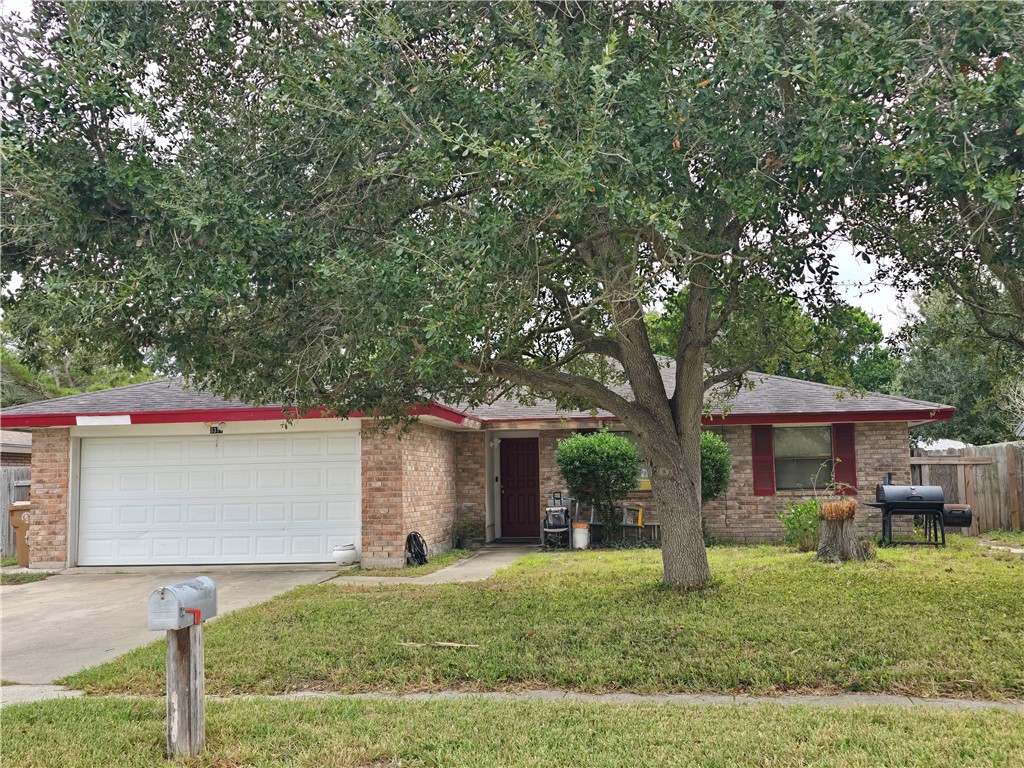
924, 501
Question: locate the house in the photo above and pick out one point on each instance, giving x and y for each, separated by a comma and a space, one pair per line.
155, 473
15, 448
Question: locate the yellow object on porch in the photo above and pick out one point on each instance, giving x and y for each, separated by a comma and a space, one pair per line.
640, 517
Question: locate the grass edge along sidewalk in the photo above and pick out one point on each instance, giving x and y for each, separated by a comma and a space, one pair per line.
342, 732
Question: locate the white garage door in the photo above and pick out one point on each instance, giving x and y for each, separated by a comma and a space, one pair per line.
281, 498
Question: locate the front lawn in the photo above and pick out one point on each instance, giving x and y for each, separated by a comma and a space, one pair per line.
915, 621
130, 733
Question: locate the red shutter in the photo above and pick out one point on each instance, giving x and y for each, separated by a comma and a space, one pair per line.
844, 452
764, 460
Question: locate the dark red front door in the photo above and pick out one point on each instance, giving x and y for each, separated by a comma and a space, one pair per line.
520, 487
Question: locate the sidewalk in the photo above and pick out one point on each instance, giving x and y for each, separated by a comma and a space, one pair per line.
27, 693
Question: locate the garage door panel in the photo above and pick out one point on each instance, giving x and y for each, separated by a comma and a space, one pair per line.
247, 499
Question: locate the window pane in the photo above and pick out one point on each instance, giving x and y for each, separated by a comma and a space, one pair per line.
803, 442
643, 482
802, 473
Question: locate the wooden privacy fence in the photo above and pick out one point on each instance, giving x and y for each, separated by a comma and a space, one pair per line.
988, 477
14, 486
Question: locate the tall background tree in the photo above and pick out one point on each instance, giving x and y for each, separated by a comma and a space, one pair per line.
362, 205
950, 360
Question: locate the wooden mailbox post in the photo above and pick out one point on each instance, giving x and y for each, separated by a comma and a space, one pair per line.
180, 609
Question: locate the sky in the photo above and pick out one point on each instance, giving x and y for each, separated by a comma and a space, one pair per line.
856, 279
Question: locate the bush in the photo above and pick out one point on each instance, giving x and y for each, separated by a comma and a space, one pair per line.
599, 469
469, 529
715, 466
800, 519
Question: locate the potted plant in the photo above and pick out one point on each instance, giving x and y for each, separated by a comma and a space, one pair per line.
469, 534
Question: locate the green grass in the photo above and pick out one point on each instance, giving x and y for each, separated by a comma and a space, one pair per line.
22, 577
8, 561
130, 733
1010, 537
435, 563
915, 621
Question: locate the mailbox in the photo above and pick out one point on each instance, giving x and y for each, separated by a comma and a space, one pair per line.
183, 605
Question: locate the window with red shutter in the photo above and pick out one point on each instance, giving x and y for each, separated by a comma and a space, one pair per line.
764, 460
844, 450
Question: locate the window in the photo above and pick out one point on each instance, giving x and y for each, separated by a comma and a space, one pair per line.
803, 457
643, 483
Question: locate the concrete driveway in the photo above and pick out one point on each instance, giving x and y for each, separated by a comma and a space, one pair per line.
85, 617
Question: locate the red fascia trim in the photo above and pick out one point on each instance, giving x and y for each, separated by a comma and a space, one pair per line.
445, 413
155, 417
219, 414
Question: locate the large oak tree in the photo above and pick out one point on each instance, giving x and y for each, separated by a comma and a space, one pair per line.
362, 206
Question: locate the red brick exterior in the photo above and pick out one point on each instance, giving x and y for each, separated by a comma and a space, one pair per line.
471, 476
739, 515
382, 476
423, 479
409, 484
10, 459
48, 535
429, 484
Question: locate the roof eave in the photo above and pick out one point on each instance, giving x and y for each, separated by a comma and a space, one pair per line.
433, 410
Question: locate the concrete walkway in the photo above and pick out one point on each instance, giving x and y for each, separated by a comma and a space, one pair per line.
88, 616
26, 693
1003, 546
484, 564
84, 617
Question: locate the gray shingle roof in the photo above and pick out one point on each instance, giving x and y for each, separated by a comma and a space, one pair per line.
769, 395
163, 395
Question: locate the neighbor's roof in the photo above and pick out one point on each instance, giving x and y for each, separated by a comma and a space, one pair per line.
15, 442
770, 399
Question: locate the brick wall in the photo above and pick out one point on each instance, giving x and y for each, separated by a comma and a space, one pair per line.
739, 515
383, 536
471, 476
429, 484
10, 459
410, 483
48, 536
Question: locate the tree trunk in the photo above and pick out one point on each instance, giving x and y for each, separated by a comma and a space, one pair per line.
676, 488
838, 542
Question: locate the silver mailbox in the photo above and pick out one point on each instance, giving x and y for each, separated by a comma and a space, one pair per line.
183, 604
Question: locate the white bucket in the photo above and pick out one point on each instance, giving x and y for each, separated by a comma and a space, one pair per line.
345, 554
581, 538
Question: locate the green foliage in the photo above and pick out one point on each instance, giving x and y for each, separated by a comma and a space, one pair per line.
843, 346
360, 207
715, 466
67, 374
599, 469
468, 528
950, 360
800, 519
